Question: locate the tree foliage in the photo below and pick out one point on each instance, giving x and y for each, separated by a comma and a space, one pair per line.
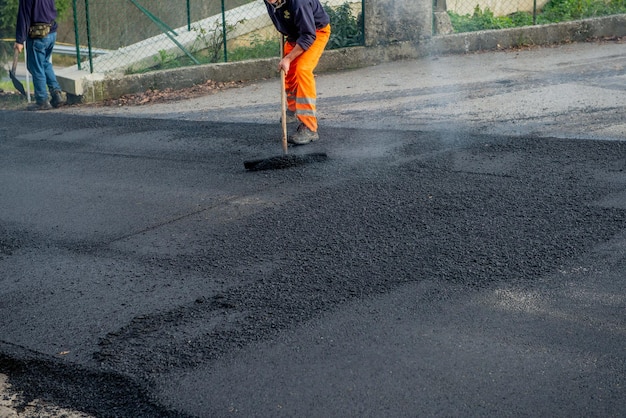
345, 27
553, 12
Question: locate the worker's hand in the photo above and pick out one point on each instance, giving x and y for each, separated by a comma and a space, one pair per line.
284, 65
18, 47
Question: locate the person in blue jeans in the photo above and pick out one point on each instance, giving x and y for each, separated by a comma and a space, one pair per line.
36, 26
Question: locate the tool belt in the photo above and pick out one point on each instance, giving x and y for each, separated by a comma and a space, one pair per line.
39, 30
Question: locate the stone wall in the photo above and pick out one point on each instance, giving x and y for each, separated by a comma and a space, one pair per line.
391, 21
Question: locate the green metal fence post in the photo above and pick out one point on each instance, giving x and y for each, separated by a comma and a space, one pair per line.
224, 31
188, 16
74, 8
89, 36
362, 21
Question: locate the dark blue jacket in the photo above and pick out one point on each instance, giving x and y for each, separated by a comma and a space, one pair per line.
34, 11
298, 20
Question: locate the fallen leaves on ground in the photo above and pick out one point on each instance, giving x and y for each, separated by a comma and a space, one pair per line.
169, 94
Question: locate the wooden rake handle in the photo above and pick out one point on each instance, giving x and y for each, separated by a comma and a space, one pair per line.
283, 97
283, 108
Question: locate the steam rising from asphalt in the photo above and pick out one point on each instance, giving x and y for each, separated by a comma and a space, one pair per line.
409, 95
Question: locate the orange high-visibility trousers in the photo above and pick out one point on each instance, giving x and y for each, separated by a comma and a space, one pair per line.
300, 82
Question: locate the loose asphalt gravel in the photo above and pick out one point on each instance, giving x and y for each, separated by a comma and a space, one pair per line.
461, 252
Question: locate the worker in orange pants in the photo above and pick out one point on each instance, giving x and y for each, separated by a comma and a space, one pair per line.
306, 25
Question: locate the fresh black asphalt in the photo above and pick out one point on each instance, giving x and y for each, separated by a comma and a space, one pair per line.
145, 272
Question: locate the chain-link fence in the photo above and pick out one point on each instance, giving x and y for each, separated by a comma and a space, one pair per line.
131, 36
454, 16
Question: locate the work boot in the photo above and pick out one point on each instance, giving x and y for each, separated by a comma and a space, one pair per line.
303, 136
57, 99
39, 105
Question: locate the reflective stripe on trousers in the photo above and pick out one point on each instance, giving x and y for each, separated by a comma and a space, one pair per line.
300, 82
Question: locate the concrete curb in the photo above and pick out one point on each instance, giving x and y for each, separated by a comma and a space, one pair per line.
96, 88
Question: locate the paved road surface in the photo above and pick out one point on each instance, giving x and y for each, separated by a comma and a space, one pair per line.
461, 253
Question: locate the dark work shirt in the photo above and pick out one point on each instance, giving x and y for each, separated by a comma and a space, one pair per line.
33, 11
298, 20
